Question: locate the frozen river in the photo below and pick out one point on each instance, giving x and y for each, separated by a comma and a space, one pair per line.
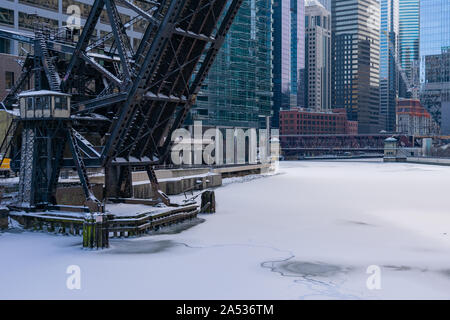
309, 232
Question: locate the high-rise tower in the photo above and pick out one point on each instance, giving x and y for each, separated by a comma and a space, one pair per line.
409, 31
356, 61
289, 55
318, 56
238, 89
435, 60
389, 57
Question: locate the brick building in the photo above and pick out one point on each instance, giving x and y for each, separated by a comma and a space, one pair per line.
302, 121
413, 118
9, 72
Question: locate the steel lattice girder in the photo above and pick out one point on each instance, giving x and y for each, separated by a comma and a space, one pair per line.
158, 85
163, 85
130, 102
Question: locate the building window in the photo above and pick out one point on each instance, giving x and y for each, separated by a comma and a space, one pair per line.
6, 16
26, 21
9, 79
61, 103
48, 4
30, 103
5, 46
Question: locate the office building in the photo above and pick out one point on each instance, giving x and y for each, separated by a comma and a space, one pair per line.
299, 121
289, 56
409, 32
238, 89
389, 57
318, 56
435, 60
356, 61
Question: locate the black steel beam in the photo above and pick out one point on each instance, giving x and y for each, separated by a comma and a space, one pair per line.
202, 73
121, 39
83, 42
141, 12
147, 67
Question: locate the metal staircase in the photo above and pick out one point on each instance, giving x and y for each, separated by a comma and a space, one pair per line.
53, 78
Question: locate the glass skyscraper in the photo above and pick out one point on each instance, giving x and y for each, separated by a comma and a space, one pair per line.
435, 60
238, 89
409, 31
289, 55
389, 57
356, 61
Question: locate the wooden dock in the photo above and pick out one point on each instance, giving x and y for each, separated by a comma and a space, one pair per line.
118, 225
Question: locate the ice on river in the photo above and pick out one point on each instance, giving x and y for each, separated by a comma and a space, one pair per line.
309, 232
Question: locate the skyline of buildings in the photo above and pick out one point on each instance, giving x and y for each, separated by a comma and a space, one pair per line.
379, 51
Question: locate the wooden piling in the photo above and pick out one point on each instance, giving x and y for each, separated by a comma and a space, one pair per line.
95, 232
208, 202
4, 218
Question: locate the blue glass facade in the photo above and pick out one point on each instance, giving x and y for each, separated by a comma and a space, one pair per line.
289, 55
238, 89
409, 13
435, 59
434, 26
389, 56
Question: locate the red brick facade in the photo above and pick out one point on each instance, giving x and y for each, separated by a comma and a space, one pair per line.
300, 121
9, 70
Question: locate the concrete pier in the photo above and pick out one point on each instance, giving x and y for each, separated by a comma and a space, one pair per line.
432, 161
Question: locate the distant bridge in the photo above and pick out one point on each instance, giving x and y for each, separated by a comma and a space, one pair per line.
297, 145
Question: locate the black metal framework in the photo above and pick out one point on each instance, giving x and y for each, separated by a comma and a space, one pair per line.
129, 102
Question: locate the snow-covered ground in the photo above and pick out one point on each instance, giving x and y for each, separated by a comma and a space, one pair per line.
309, 232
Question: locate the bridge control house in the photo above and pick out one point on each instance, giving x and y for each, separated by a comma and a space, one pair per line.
46, 104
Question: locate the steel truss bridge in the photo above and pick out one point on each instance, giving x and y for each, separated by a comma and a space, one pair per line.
125, 103
295, 145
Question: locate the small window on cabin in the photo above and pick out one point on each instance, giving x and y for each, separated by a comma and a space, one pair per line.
30, 103
61, 103
38, 103
57, 102
45, 103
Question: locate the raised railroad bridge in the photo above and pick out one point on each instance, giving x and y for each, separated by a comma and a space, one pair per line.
102, 103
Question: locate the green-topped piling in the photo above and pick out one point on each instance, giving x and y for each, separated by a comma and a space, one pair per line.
95, 232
